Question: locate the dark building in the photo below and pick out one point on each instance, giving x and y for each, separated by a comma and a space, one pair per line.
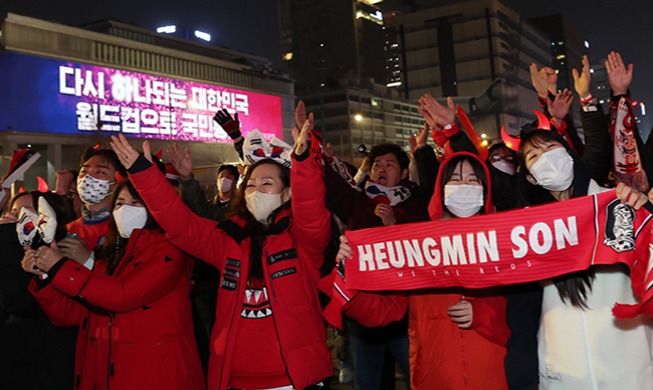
328, 40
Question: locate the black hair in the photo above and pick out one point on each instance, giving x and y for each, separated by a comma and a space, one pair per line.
10, 205
114, 247
232, 169
503, 146
108, 155
574, 286
477, 166
382, 149
256, 230
536, 137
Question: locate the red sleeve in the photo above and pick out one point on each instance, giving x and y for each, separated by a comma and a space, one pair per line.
185, 229
376, 309
61, 309
311, 219
159, 274
489, 318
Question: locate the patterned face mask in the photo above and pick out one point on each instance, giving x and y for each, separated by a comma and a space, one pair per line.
26, 228
32, 225
92, 190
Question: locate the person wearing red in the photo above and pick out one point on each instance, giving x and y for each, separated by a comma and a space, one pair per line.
457, 336
133, 311
269, 332
95, 182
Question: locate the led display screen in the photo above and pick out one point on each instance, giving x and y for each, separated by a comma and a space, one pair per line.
53, 96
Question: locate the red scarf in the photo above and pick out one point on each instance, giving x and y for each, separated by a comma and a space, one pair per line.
627, 162
518, 246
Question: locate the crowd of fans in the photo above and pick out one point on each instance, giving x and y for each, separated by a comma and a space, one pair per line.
163, 288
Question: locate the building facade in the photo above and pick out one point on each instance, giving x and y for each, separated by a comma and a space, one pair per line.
461, 48
325, 41
67, 88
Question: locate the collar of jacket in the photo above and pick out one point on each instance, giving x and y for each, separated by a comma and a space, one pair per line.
235, 227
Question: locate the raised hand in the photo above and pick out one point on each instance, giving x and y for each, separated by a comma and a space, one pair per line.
300, 114
422, 136
365, 165
619, 75
230, 124
126, 154
560, 106
544, 80
412, 143
301, 143
435, 114
582, 80
182, 162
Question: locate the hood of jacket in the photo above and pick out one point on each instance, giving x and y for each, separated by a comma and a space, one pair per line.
436, 204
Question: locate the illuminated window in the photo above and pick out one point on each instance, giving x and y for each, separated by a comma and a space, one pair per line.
287, 56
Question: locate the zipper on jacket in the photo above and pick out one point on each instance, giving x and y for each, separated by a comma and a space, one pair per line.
231, 322
266, 274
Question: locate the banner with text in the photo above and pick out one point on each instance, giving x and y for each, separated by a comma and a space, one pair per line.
54, 96
518, 246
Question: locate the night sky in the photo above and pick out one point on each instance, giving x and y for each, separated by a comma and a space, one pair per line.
252, 25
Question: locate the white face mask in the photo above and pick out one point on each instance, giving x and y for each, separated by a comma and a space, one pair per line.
554, 170
225, 184
504, 166
129, 218
92, 190
463, 200
261, 205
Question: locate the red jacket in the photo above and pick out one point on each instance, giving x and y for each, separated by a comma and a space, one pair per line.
136, 328
293, 254
443, 356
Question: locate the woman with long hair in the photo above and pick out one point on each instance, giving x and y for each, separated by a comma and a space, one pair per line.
580, 343
269, 332
457, 335
132, 308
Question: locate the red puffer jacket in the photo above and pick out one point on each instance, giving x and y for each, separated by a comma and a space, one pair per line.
443, 356
292, 256
136, 328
